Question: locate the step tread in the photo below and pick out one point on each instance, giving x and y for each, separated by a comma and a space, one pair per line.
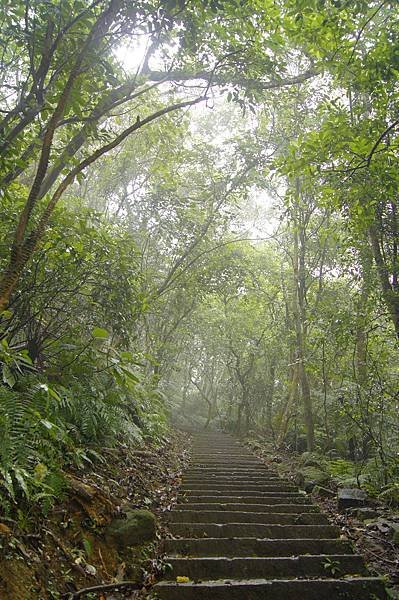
355, 588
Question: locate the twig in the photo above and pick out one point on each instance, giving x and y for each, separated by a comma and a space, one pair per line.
381, 558
107, 587
103, 563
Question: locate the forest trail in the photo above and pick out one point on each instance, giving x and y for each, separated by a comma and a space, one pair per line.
243, 533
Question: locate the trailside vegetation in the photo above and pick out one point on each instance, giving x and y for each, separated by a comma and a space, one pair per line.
199, 221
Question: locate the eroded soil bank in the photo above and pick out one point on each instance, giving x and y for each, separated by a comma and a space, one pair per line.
86, 538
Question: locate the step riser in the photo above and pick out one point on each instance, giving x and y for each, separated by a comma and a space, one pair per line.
250, 497
256, 508
185, 516
225, 463
199, 530
232, 474
235, 547
265, 568
357, 589
220, 481
225, 453
238, 488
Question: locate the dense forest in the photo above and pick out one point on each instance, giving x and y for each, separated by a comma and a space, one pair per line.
199, 225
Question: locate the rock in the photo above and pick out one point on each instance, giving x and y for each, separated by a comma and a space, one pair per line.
353, 482
81, 489
365, 513
138, 527
349, 497
311, 459
149, 457
395, 532
308, 477
323, 492
386, 526
277, 459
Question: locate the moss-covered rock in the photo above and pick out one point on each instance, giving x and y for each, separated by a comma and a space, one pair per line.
308, 477
138, 527
311, 459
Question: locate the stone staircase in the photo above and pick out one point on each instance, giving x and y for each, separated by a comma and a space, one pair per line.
243, 533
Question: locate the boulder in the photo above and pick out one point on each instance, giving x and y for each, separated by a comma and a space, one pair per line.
308, 477
364, 513
138, 527
351, 497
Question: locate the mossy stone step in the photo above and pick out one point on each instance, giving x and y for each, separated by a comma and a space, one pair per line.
244, 497
220, 567
213, 516
356, 588
242, 507
247, 546
261, 487
237, 529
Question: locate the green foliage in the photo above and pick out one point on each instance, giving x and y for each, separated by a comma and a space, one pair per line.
145, 292
341, 468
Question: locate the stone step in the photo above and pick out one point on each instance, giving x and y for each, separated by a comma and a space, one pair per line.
266, 568
243, 533
223, 472
364, 588
240, 487
227, 453
226, 461
222, 463
259, 470
230, 474
242, 507
252, 546
247, 497
237, 529
233, 473
213, 516
226, 446
227, 480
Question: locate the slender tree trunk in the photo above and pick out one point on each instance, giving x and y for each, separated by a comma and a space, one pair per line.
292, 393
390, 295
299, 309
269, 394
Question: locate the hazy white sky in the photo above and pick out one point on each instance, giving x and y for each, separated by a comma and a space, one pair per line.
260, 219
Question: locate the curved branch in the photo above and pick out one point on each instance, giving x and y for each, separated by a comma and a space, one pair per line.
211, 77
378, 142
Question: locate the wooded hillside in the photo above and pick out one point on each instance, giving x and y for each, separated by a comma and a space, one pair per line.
199, 224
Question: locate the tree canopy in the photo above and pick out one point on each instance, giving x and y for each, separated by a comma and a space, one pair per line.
199, 224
